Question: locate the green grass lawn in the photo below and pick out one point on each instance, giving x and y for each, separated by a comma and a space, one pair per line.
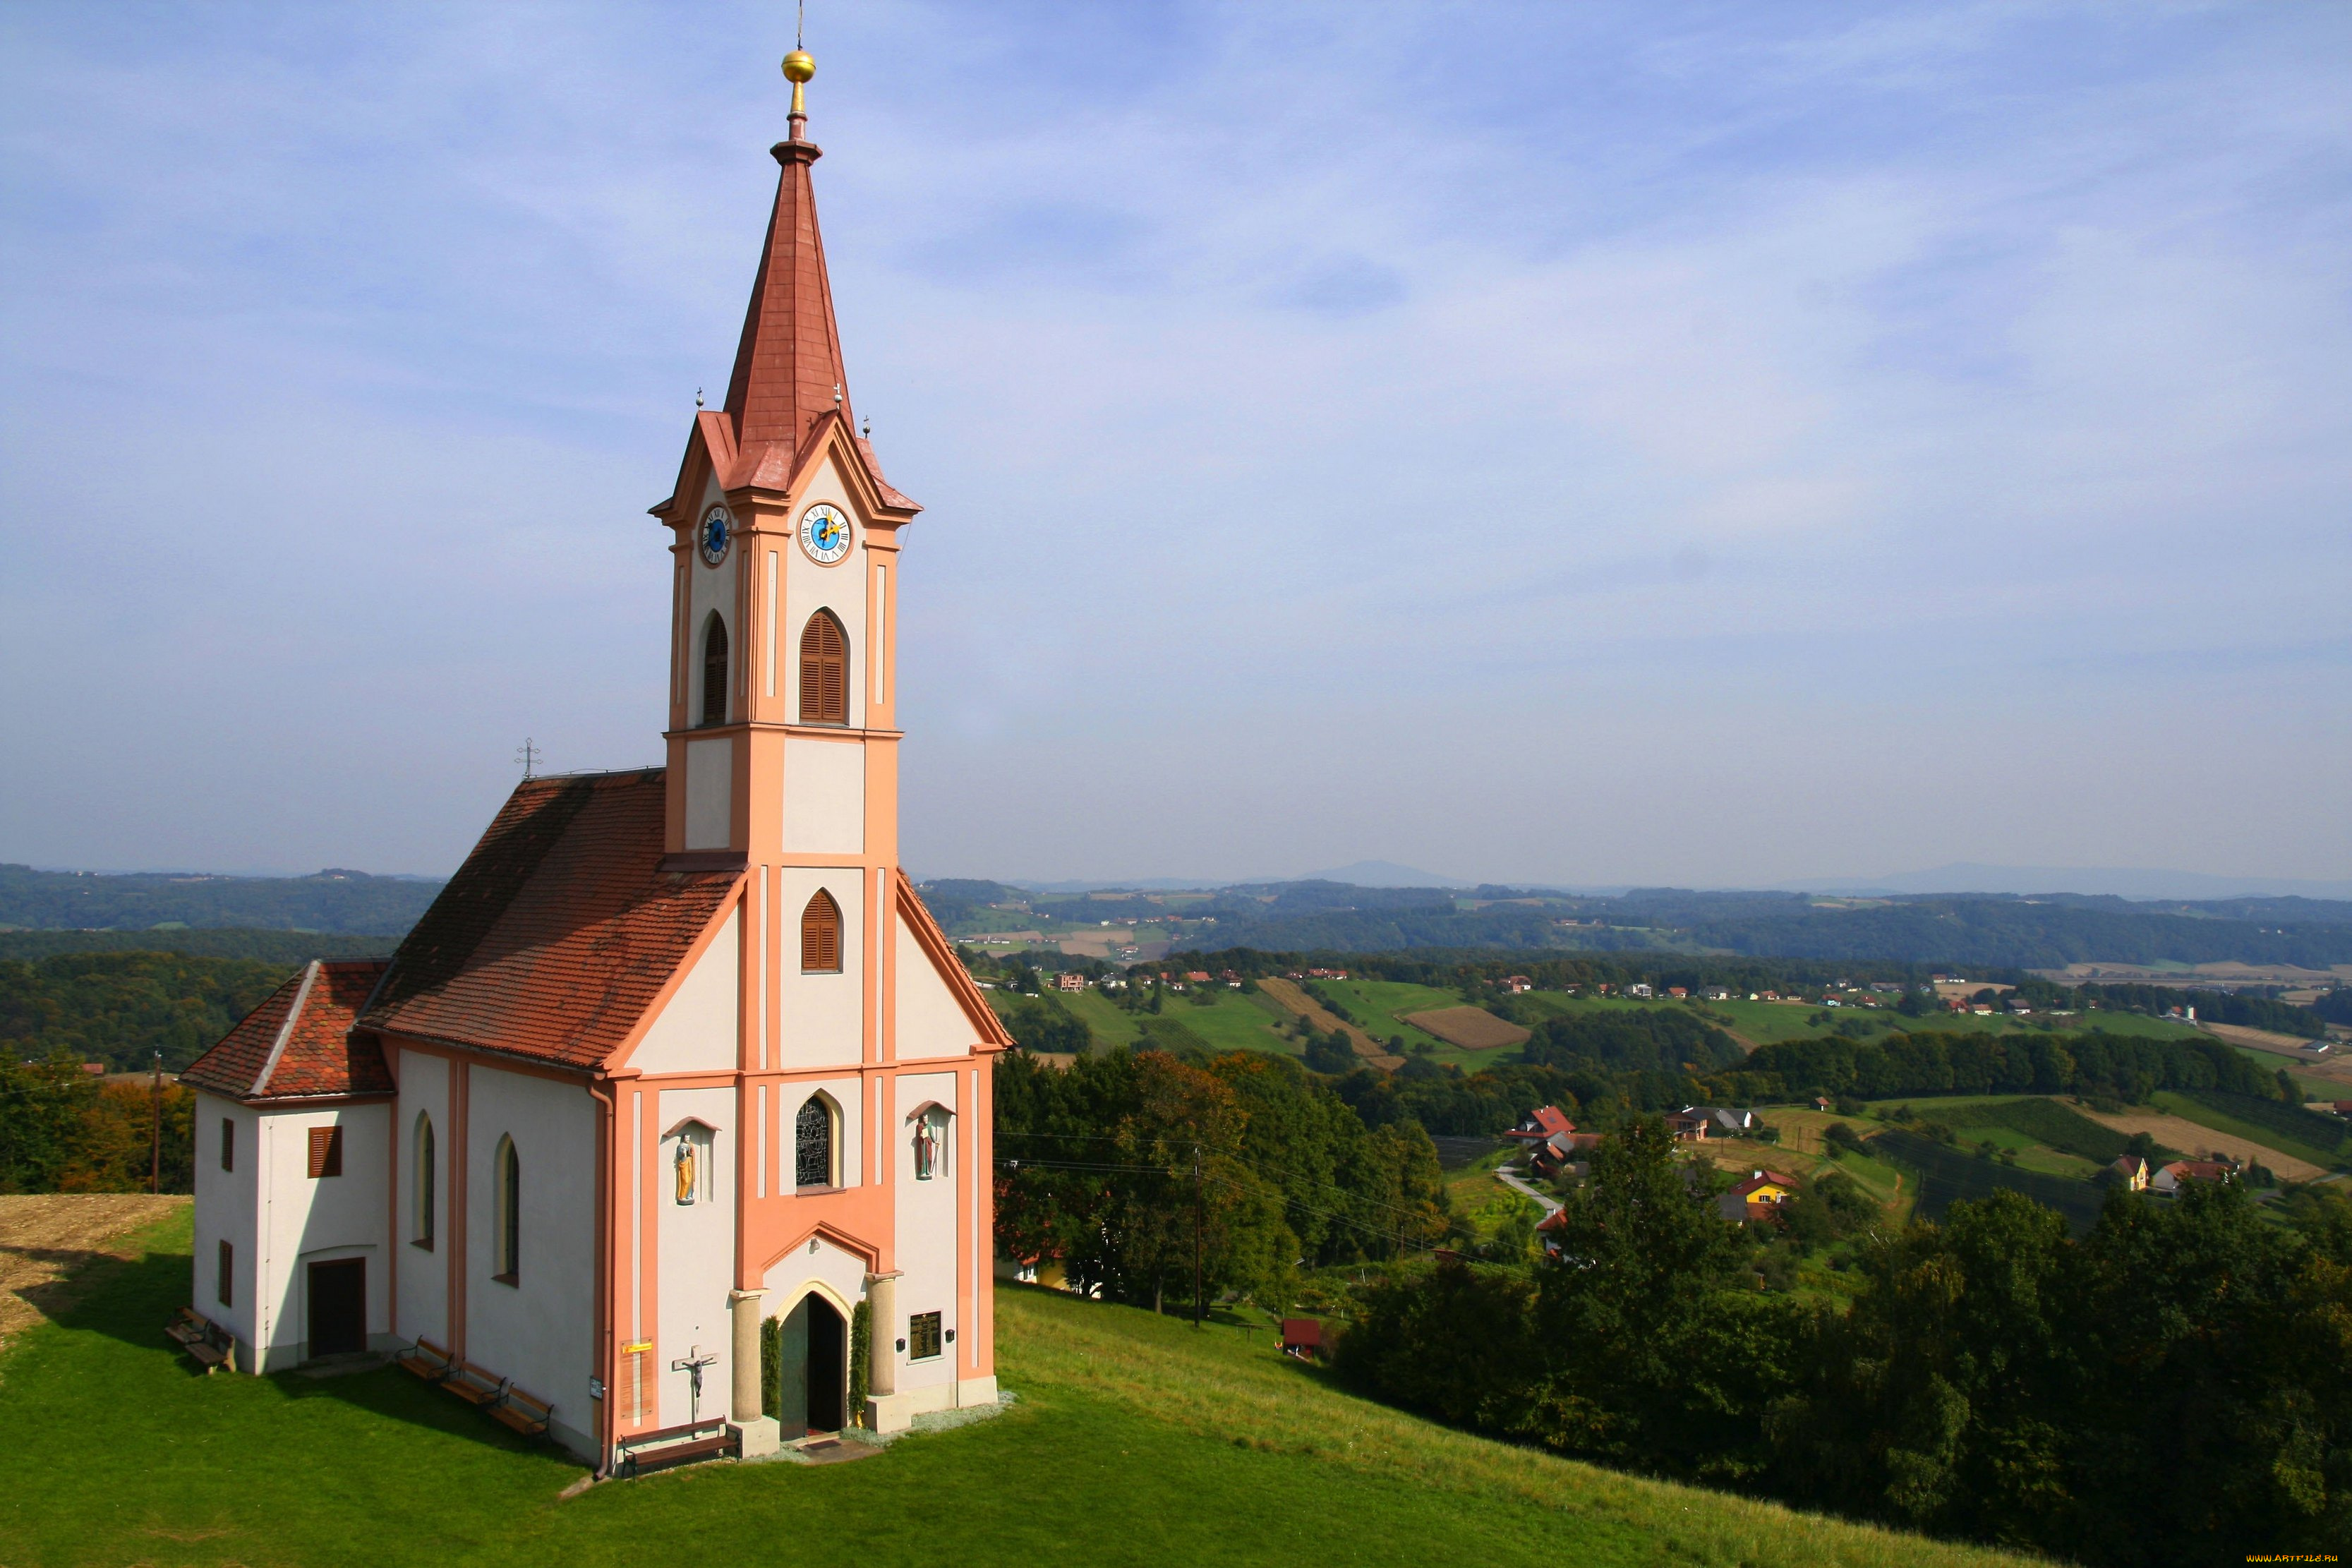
1137, 1440
1110, 1024
1233, 1021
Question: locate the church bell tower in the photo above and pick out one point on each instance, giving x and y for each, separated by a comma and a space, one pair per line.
782, 748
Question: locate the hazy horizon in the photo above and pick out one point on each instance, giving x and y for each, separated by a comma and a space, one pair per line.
1611, 445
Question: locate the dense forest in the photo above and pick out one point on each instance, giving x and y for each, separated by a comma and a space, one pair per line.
64, 1130
331, 901
120, 1008
2174, 1388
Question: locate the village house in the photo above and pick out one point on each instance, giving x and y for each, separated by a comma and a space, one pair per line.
1759, 1197
1697, 1123
678, 1074
2170, 1179
1067, 981
2131, 1171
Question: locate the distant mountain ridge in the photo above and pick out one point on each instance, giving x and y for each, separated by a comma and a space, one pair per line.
334, 901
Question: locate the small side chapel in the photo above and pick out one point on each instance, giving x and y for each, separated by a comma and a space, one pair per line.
677, 1068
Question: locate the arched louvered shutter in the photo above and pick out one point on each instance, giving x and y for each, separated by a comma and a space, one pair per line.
714, 672
821, 935
825, 671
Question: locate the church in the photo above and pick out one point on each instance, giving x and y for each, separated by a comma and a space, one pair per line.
674, 1108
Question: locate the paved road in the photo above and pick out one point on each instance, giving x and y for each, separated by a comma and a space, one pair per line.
1550, 1205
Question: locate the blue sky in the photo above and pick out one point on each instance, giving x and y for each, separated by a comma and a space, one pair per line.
1710, 445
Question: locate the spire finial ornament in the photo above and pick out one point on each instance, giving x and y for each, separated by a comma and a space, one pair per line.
798, 68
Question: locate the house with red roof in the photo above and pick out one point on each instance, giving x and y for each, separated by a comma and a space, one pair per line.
677, 1067
1759, 1197
2170, 1179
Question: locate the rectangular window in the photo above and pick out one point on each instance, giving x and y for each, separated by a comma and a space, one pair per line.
922, 1336
326, 1152
227, 1271
228, 1144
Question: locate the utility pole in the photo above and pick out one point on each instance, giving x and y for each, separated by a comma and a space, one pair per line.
155, 1137
1197, 1302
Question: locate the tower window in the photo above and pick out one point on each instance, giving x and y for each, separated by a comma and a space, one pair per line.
821, 935
813, 1143
326, 1152
825, 671
714, 671
224, 1286
228, 1144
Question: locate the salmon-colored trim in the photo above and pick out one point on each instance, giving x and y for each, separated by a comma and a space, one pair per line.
461, 1167
822, 1231
977, 1011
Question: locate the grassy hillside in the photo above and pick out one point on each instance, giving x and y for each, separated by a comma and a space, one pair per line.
1137, 1441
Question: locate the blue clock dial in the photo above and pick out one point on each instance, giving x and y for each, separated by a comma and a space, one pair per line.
718, 530
824, 534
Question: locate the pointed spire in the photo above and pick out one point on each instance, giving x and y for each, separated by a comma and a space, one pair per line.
788, 368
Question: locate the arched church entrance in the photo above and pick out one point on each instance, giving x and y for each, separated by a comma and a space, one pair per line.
813, 1367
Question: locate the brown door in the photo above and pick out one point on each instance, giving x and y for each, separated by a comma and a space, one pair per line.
339, 1307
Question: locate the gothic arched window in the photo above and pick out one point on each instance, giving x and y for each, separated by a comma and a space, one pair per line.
508, 1243
421, 1196
824, 670
813, 1143
821, 935
714, 671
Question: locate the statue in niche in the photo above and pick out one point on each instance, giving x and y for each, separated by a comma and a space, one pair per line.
688, 1164
926, 1149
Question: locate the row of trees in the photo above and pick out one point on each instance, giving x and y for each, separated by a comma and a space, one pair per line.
1135, 1169
2094, 1064
65, 1131
2174, 1388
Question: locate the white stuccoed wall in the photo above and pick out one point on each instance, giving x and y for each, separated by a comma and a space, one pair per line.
305, 1221
696, 1028
926, 1226
423, 1283
228, 1207
539, 1332
695, 1245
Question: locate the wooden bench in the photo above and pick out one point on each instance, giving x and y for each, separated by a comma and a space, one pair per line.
207, 1345
474, 1386
645, 1452
427, 1360
522, 1411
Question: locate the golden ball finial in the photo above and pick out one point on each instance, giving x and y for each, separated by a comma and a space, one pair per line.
799, 66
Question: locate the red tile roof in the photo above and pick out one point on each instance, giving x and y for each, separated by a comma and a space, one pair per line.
298, 1045
560, 930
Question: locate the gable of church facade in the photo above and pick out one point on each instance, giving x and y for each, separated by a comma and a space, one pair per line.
699, 1028
930, 1019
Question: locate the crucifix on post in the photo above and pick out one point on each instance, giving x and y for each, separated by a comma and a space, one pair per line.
691, 1364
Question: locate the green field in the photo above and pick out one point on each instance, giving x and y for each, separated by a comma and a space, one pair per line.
1377, 1003
2238, 1119
1948, 1174
1135, 1441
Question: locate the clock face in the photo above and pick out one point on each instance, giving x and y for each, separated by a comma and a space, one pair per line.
824, 534
716, 532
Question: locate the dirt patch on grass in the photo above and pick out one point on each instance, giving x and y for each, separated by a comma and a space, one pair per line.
1472, 1028
1291, 999
2195, 1138
48, 1238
